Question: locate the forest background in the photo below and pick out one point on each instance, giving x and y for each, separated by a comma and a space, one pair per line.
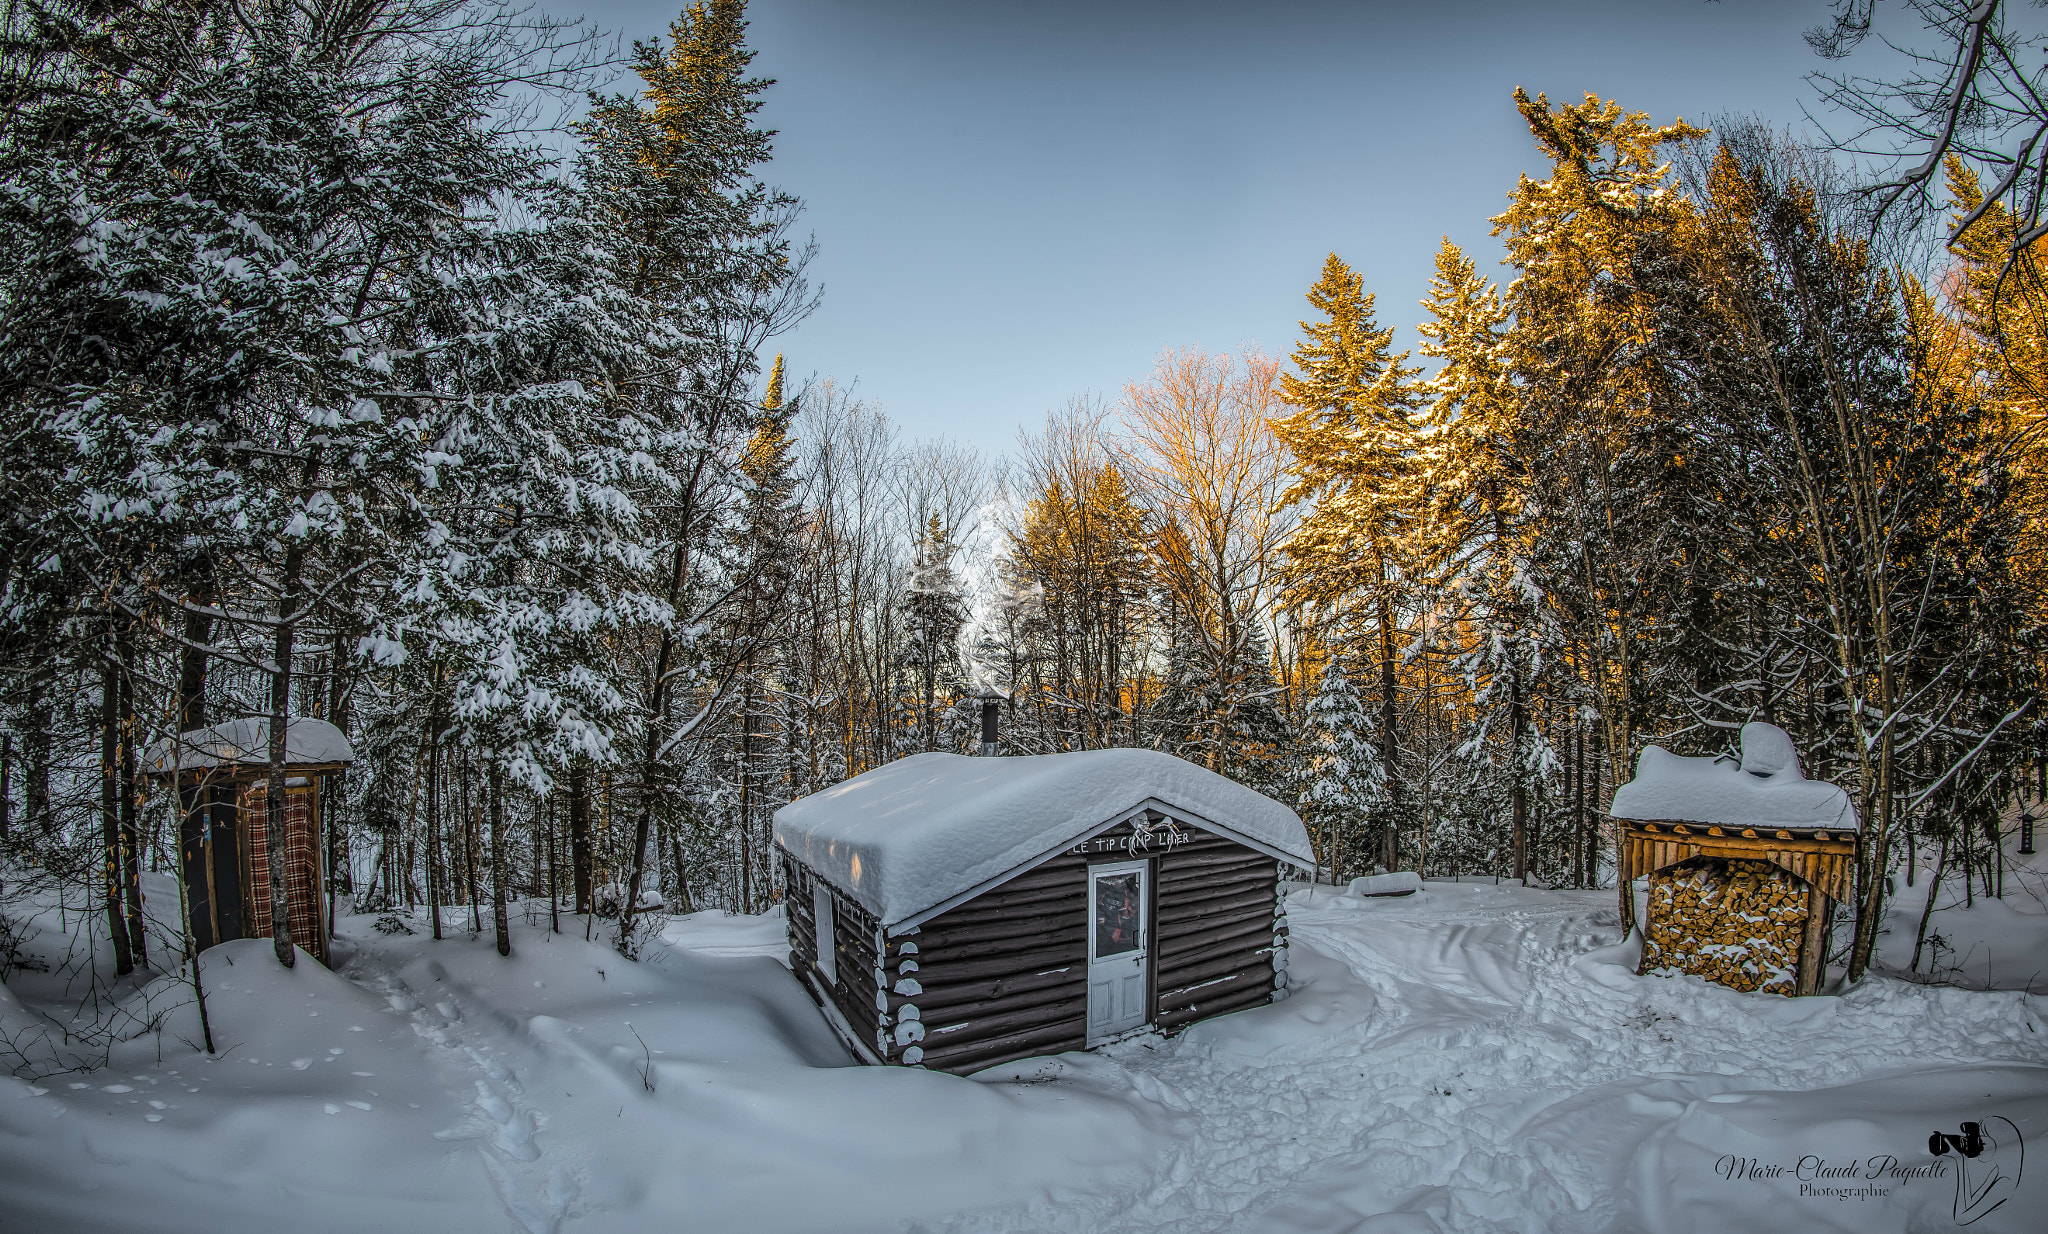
334, 389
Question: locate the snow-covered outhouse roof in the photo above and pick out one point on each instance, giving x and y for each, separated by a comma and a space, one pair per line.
246, 742
931, 829
1765, 789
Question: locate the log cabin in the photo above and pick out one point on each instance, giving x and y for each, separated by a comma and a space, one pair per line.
1746, 859
955, 913
222, 777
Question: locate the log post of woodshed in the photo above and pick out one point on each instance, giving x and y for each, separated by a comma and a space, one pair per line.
1746, 860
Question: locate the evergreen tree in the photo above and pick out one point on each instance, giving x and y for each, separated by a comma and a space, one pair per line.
1346, 781
1355, 444
933, 614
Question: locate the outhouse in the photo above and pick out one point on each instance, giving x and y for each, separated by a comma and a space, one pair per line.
222, 774
1746, 859
955, 913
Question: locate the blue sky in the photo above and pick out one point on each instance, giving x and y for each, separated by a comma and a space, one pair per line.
1018, 203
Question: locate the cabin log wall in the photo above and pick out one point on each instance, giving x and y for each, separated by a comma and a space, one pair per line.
1001, 977
1220, 936
854, 993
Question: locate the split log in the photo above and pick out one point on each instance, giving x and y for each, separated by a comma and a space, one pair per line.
1242, 904
1180, 975
1233, 999
958, 967
1176, 946
937, 997
1004, 933
1069, 1014
975, 1055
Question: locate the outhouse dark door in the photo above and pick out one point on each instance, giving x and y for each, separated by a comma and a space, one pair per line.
1119, 953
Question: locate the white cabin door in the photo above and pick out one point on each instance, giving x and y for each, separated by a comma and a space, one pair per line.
1119, 953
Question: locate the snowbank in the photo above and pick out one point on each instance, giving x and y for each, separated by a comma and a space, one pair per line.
247, 741
1479, 1058
1853, 1158
908, 836
1765, 789
1399, 883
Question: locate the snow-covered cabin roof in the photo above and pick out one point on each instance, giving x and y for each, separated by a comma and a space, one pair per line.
246, 742
921, 832
1765, 789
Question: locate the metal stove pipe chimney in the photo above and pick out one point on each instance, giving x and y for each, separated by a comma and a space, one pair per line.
991, 712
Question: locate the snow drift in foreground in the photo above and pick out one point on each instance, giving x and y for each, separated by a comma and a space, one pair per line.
1469, 1057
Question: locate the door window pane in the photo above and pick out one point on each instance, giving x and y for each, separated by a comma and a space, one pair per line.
1117, 915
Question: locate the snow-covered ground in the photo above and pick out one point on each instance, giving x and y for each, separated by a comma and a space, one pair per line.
1974, 940
1468, 1058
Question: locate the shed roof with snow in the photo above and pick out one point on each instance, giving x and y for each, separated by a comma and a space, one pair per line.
246, 742
914, 836
1765, 788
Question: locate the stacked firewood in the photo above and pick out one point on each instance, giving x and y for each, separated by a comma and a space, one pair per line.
1735, 922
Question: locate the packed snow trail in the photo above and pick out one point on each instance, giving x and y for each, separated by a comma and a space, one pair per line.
1475, 1059
1469, 1058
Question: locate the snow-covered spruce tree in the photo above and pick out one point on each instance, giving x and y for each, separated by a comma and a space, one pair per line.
1354, 440
216, 270
933, 613
537, 552
763, 558
1346, 784
672, 173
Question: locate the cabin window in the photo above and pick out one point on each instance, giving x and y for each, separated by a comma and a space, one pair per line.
821, 911
1119, 914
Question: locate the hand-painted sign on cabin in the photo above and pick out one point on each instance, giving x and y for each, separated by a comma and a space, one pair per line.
956, 913
1745, 860
224, 841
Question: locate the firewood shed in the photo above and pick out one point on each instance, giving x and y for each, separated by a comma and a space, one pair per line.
1746, 860
955, 913
223, 840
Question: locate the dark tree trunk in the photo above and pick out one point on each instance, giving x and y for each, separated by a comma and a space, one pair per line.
657, 713
193, 659
110, 813
472, 850
1390, 836
643, 806
498, 918
280, 719
131, 848
579, 835
337, 836
1518, 724
36, 792
434, 873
